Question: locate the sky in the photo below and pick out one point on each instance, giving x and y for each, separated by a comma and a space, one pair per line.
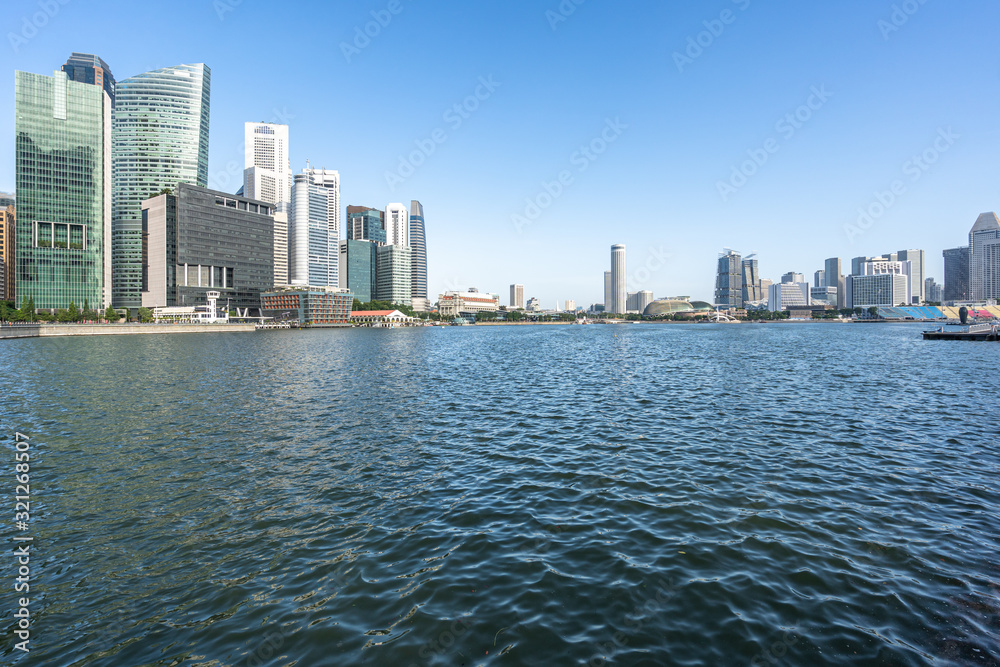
538, 133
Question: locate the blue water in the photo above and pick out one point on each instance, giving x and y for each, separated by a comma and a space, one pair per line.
601, 495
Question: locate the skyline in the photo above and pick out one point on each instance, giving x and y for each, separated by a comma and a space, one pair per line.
873, 99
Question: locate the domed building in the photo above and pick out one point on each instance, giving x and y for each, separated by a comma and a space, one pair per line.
670, 307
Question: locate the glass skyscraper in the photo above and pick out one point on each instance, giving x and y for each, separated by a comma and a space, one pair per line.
956, 274
358, 260
418, 244
160, 139
366, 224
729, 281
63, 170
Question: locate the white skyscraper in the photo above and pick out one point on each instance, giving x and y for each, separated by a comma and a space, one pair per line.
268, 177
619, 296
397, 225
517, 296
314, 229
984, 258
917, 272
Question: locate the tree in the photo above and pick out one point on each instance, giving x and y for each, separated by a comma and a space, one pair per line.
145, 315
873, 312
73, 314
31, 309
111, 315
357, 305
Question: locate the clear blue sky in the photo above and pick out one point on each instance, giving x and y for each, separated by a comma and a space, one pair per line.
656, 186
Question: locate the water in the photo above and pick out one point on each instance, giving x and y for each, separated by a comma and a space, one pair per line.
621, 495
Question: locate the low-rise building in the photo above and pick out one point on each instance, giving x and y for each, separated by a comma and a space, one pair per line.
465, 304
309, 306
382, 318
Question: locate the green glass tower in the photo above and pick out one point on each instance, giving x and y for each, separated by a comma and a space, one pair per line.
160, 139
63, 177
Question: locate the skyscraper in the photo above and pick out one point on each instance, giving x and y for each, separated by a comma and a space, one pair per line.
418, 243
956, 274
392, 274
918, 271
517, 296
88, 68
365, 223
160, 139
314, 229
984, 258
619, 296
608, 296
267, 177
397, 225
834, 276
729, 280
63, 178
819, 278
750, 282
358, 261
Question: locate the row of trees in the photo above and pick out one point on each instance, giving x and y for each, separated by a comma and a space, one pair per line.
26, 313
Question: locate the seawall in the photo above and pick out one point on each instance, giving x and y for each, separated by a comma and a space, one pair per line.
46, 330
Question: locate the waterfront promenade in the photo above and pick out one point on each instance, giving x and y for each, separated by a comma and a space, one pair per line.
49, 330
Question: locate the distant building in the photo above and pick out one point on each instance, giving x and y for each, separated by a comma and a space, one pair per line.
932, 291
62, 245
956, 275
366, 224
358, 263
418, 244
7, 257
570, 306
833, 276
160, 139
887, 264
7, 199
393, 274
792, 277
618, 269
729, 281
880, 289
819, 278
517, 296
267, 177
88, 68
750, 282
638, 301
608, 292
917, 273
984, 258
534, 305
314, 229
824, 295
467, 304
784, 295
199, 240
309, 306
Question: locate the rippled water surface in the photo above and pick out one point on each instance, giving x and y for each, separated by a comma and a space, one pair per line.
620, 495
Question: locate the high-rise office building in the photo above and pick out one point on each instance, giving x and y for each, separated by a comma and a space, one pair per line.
834, 277
608, 292
393, 274
517, 296
918, 270
267, 177
159, 139
397, 225
819, 278
984, 258
196, 240
358, 261
619, 295
887, 264
418, 244
877, 289
7, 253
729, 280
63, 179
793, 277
366, 224
88, 68
956, 274
932, 291
785, 295
637, 301
314, 229
7, 199
570, 306
750, 282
